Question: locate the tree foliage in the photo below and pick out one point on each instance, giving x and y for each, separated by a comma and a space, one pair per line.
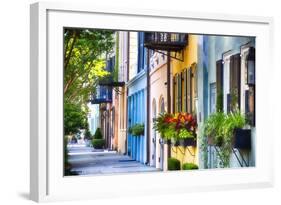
85, 52
75, 118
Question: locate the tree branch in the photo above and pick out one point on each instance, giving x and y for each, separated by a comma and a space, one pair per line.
67, 58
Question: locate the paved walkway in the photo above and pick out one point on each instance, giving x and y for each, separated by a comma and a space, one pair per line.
87, 161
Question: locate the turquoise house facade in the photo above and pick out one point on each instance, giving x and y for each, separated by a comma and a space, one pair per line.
137, 97
218, 52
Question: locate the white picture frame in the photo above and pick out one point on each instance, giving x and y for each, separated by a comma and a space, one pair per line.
46, 177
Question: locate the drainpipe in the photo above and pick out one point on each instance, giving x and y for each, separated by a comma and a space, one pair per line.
148, 127
127, 91
169, 91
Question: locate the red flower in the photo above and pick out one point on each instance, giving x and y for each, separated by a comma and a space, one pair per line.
188, 117
194, 123
168, 119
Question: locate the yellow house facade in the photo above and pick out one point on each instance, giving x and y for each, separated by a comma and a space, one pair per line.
184, 94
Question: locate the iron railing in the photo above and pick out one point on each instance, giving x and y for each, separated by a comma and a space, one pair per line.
165, 41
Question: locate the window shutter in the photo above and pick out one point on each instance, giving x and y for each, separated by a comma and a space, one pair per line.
247, 107
219, 76
176, 93
141, 51
179, 92
184, 93
235, 79
228, 101
189, 89
195, 80
219, 85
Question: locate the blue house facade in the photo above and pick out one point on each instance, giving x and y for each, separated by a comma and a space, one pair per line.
222, 66
137, 97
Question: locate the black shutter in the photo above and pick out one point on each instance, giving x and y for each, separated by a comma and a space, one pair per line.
176, 92
219, 77
219, 85
179, 92
247, 106
189, 90
195, 80
184, 93
235, 79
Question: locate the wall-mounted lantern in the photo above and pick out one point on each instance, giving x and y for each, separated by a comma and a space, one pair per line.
251, 60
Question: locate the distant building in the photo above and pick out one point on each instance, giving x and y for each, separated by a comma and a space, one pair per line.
93, 117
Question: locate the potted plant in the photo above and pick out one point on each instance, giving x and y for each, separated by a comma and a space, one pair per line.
186, 129
173, 164
98, 142
234, 128
213, 128
180, 128
137, 129
165, 125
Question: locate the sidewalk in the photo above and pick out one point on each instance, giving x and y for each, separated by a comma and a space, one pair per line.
87, 161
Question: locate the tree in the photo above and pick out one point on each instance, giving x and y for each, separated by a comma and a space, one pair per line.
85, 52
74, 118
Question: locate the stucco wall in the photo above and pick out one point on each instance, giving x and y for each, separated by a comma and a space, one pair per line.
183, 154
158, 90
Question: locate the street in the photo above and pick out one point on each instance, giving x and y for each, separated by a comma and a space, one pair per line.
88, 161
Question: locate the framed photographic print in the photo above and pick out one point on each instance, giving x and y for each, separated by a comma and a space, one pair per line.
152, 101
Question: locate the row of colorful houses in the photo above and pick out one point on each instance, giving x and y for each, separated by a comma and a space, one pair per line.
157, 72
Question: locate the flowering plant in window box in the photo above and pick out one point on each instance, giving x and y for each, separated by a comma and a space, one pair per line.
186, 126
176, 127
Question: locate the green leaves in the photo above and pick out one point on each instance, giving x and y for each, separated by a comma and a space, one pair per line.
85, 52
137, 129
220, 127
74, 118
184, 134
84, 61
213, 125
